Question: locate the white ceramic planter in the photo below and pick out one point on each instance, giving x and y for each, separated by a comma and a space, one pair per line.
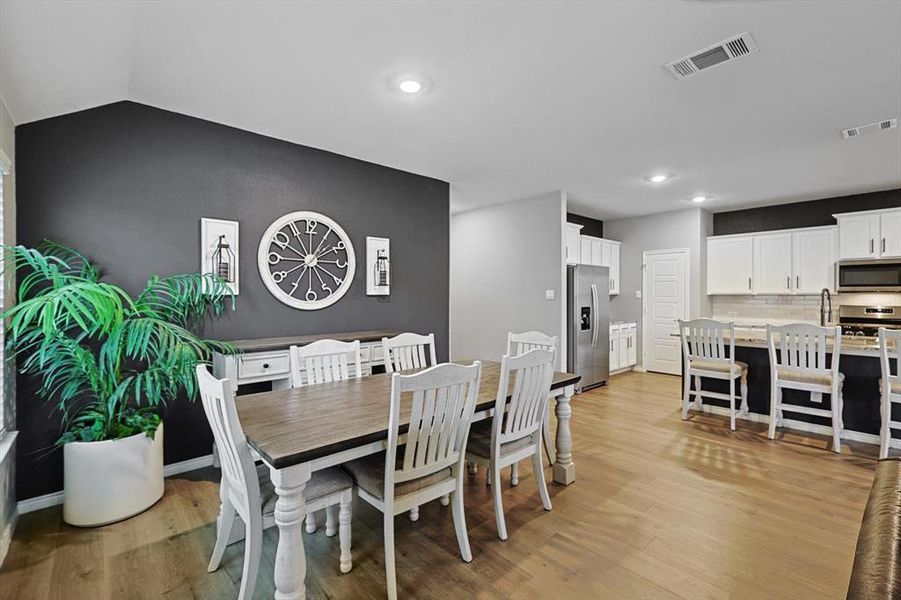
112, 480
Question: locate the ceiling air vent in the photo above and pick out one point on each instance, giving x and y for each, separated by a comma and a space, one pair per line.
730, 49
869, 128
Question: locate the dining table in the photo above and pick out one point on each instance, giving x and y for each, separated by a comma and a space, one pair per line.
301, 430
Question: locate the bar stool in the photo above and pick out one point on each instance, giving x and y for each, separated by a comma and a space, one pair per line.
801, 365
704, 355
889, 385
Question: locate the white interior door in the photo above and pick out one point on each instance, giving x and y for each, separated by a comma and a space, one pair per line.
665, 301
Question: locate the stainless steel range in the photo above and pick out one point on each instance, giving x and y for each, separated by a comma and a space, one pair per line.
865, 321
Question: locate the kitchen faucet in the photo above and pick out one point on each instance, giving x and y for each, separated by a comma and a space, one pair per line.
825, 296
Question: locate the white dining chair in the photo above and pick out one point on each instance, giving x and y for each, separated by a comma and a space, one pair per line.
889, 385
798, 362
246, 488
429, 465
520, 343
409, 351
704, 354
325, 361
514, 434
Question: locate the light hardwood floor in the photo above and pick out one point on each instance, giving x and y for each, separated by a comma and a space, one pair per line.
661, 509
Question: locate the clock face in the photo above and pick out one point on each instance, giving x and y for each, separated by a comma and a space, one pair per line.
306, 260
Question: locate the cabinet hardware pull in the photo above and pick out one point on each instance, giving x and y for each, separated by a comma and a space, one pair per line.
883, 245
265, 365
749, 283
797, 282
788, 282
871, 245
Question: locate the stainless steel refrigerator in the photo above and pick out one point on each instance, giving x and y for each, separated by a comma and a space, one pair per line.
588, 324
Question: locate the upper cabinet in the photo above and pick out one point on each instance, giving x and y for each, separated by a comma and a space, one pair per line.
729, 265
572, 233
800, 261
601, 253
870, 234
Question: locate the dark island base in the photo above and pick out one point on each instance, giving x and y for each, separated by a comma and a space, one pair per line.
861, 392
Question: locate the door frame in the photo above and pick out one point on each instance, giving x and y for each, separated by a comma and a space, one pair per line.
644, 294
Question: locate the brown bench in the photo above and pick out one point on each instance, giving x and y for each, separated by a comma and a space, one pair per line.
877, 560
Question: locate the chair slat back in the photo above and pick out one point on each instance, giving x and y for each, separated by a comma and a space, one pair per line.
442, 400
522, 395
705, 339
409, 351
803, 347
238, 469
890, 350
325, 361
520, 343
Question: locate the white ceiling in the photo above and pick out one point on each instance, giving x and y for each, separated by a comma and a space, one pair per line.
522, 98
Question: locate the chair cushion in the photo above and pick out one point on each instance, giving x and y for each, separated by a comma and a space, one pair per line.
369, 474
789, 374
480, 441
718, 366
322, 483
894, 386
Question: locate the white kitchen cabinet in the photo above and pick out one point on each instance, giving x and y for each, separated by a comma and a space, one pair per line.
730, 263
614, 267
890, 234
813, 260
623, 345
869, 234
772, 264
573, 243
602, 253
633, 345
614, 348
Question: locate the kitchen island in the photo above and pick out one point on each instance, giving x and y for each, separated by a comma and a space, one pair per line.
859, 362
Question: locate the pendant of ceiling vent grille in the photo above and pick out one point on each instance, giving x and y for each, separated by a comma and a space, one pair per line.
869, 128
730, 49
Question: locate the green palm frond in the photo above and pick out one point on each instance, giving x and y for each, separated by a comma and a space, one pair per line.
105, 359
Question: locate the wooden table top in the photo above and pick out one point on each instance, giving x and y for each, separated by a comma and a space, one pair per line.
279, 343
293, 426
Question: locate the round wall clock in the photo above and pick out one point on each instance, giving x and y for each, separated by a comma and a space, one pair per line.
306, 260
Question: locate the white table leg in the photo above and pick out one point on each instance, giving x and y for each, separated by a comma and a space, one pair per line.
564, 468
290, 509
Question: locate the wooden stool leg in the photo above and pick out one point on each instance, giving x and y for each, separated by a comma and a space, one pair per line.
774, 409
732, 403
686, 394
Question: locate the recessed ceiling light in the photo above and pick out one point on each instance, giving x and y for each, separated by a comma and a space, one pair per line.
410, 86
699, 199
659, 178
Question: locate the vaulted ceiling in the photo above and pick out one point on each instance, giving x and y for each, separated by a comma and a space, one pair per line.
520, 98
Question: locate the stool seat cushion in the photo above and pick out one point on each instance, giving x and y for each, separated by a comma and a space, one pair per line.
800, 376
700, 364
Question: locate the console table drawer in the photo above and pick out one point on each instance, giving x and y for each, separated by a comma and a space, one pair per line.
263, 365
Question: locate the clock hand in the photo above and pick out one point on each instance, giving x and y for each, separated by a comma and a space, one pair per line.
297, 281
337, 280
322, 241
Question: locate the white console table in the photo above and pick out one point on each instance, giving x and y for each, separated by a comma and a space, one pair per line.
266, 359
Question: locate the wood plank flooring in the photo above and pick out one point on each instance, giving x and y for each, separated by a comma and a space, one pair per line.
661, 509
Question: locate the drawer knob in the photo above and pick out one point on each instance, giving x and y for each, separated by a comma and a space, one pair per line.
265, 365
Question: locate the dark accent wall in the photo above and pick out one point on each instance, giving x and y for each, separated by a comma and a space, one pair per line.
800, 214
127, 184
589, 226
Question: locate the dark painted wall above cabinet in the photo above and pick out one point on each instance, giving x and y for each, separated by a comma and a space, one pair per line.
800, 214
127, 184
589, 226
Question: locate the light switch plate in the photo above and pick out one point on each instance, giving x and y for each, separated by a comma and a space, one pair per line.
638, 294
548, 294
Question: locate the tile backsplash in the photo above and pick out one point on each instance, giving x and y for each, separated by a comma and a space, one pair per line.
790, 308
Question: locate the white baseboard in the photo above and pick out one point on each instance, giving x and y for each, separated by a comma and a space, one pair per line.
7, 536
47, 500
847, 434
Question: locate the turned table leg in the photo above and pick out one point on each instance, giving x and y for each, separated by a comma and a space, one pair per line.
564, 468
290, 509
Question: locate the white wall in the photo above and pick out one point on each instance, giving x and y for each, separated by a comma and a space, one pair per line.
687, 228
502, 260
7, 447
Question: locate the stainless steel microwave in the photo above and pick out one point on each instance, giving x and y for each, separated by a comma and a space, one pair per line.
874, 275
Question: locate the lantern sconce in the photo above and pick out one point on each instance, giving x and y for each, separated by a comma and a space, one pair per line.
219, 250
378, 266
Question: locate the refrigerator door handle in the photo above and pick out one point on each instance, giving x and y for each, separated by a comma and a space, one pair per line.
594, 319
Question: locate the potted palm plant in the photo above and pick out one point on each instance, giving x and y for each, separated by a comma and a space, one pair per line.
109, 361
